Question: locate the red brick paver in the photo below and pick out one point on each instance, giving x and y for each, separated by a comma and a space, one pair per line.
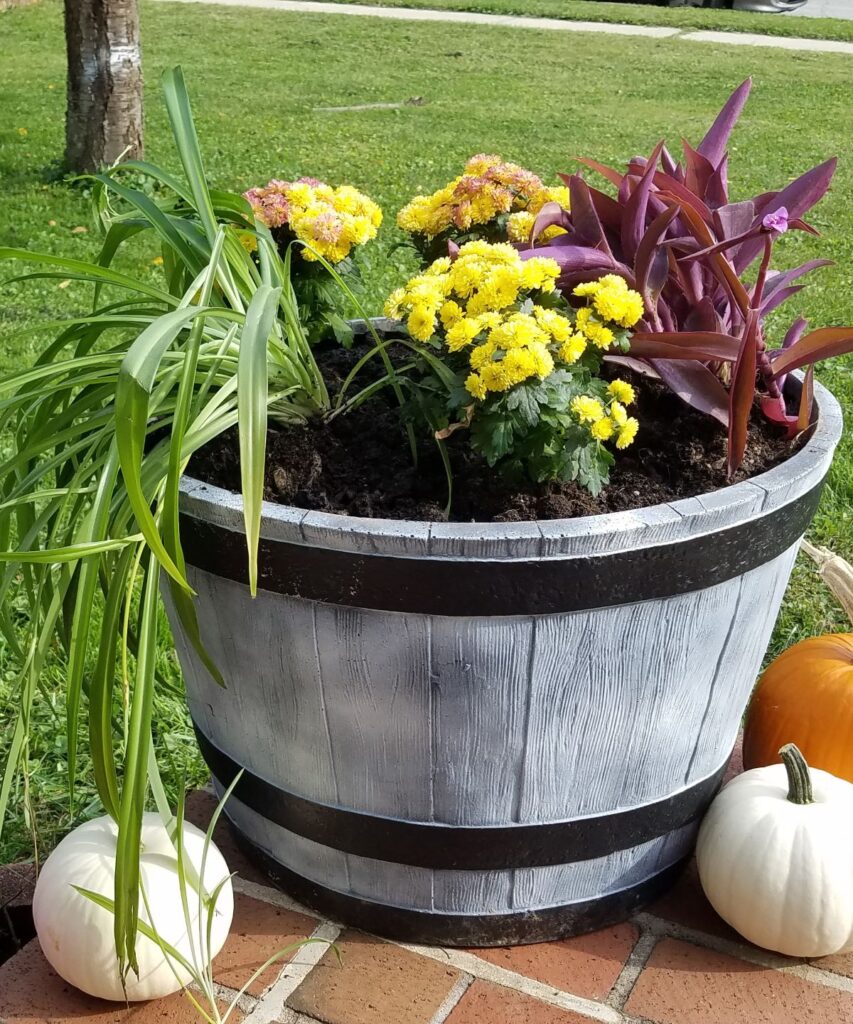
374, 982
685, 984
587, 966
31, 992
260, 930
484, 1003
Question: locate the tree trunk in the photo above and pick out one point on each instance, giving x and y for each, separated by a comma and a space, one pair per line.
104, 116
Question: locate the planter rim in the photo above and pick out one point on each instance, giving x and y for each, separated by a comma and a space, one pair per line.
735, 502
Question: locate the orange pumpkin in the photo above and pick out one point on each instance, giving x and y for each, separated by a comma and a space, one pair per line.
805, 697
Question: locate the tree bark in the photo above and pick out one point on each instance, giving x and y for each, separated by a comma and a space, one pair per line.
104, 116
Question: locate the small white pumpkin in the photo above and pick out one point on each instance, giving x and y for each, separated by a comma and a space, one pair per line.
76, 935
775, 857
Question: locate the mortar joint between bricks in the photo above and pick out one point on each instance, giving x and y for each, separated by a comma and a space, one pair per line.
632, 969
741, 950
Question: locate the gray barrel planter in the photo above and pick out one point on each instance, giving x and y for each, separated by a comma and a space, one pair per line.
487, 733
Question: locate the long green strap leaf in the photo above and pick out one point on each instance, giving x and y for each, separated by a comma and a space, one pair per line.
88, 271
71, 553
136, 379
252, 386
186, 140
135, 785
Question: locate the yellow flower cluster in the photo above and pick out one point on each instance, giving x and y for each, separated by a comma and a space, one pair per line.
606, 420
612, 300
487, 187
330, 220
468, 292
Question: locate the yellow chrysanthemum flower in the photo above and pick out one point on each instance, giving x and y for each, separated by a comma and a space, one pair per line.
587, 409
462, 333
603, 429
627, 432
622, 391
572, 349
540, 274
519, 225
421, 323
450, 313
481, 355
618, 413
601, 336
475, 386
394, 304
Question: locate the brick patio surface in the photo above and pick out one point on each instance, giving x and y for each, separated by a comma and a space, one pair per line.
675, 963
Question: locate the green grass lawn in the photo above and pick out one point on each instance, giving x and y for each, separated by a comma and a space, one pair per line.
260, 80
641, 14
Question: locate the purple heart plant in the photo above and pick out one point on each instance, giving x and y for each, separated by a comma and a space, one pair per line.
675, 237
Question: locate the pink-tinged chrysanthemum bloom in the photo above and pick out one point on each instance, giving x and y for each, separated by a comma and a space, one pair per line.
462, 215
327, 227
276, 210
469, 185
313, 182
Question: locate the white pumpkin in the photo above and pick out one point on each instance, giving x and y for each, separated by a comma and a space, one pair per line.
775, 856
76, 935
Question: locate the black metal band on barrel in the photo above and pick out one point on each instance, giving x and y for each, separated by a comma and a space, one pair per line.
468, 848
404, 925
471, 586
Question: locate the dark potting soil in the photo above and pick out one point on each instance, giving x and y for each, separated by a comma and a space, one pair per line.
360, 464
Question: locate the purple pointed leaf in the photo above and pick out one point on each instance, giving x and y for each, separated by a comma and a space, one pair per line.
742, 394
734, 219
637, 365
780, 296
551, 215
716, 141
613, 176
685, 345
649, 245
696, 385
795, 332
669, 165
634, 221
784, 278
724, 246
699, 170
703, 317
800, 225
804, 414
717, 191
716, 263
585, 220
811, 348
798, 198
580, 260
676, 192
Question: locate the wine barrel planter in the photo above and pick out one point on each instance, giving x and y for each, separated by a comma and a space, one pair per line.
481, 733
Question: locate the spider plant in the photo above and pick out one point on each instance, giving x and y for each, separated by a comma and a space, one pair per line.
97, 435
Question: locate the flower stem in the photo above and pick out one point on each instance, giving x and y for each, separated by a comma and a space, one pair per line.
799, 778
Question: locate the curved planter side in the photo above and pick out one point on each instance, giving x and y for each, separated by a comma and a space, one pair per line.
487, 733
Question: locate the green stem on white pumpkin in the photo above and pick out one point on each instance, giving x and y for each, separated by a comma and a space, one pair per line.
799, 778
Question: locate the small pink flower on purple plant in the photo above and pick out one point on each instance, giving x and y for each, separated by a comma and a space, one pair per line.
777, 221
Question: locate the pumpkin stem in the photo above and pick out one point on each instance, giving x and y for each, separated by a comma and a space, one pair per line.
799, 778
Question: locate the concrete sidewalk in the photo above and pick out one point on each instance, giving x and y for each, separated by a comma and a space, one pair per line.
542, 24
